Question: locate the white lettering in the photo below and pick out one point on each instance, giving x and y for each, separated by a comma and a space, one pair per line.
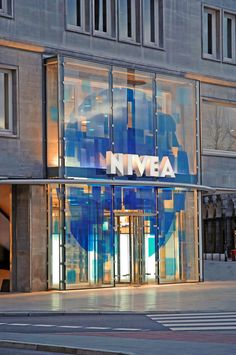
166, 168
153, 167
129, 164
115, 164
139, 164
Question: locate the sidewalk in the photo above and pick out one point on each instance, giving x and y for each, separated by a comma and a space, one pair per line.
207, 296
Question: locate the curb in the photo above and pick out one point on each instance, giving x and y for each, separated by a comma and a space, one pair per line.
56, 348
85, 313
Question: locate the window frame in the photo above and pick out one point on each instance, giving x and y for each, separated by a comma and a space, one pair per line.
159, 27
133, 38
79, 29
10, 94
232, 16
7, 9
216, 37
108, 33
218, 102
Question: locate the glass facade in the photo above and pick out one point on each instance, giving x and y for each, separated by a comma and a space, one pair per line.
122, 235
176, 126
102, 234
133, 110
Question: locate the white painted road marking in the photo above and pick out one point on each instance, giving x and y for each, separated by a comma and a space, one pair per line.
189, 314
204, 328
43, 325
20, 324
71, 327
196, 321
126, 329
97, 328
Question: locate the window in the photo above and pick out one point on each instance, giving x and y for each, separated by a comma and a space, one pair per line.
104, 17
153, 22
6, 8
211, 33
218, 126
229, 37
6, 122
129, 20
78, 15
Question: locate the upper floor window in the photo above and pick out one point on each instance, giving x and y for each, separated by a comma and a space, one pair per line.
129, 20
78, 15
153, 22
6, 122
218, 126
104, 13
6, 8
229, 37
211, 33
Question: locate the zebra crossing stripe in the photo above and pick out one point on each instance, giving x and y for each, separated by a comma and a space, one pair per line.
191, 317
204, 328
189, 314
196, 321
202, 324
222, 320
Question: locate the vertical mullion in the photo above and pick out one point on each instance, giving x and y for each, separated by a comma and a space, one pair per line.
213, 38
233, 38
133, 19
6, 101
157, 22
100, 15
61, 171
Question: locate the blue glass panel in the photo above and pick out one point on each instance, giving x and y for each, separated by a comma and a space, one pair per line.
176, 126
177, 235
87, 116
133, 112
89, 245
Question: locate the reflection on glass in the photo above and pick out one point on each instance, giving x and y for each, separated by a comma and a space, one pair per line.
87, 111
52, 115
133, 112
176, 125
145, 234
54, 237
218, 126
89, 245
177, 221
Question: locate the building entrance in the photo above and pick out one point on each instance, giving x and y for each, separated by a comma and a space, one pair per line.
134, 248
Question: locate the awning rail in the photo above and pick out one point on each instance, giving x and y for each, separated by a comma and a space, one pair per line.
104, 182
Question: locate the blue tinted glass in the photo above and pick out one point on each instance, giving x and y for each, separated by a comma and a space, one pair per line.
176, 126
133, 112
89, 244
87, 112
177, 239
143, 199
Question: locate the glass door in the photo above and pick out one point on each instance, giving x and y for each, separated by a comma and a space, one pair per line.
134, 250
